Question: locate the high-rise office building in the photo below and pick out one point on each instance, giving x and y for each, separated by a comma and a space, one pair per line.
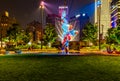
50, 19
63, 9
104, 15
5, 22
115, 13
34, 28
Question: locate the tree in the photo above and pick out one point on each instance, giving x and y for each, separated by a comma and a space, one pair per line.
50, 34
26, 37
14, 33
89, 33
113, 35
118, 33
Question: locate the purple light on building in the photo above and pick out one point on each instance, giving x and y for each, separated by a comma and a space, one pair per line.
63, 9
42, 3
114, 21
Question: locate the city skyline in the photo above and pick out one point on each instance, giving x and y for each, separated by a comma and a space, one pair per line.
27, 11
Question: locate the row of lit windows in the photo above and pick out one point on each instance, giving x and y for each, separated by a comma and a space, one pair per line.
115, 12
4, 25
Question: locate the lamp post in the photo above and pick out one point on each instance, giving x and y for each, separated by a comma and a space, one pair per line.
102, 30
42, 21
99, 19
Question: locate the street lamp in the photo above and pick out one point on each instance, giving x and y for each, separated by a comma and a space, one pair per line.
42, 20
102, 30
99, 18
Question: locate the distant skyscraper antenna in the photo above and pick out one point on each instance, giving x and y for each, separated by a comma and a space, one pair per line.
63, 8
65, 3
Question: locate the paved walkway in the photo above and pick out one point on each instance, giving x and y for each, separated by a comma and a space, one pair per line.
58, 52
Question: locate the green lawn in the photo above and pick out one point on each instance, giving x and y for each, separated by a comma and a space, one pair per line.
59, 68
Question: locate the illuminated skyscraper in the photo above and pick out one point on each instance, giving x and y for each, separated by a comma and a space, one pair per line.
5, 22
105, 18
63, 9
115, 13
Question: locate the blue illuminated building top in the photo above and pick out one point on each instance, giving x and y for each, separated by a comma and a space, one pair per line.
99, 2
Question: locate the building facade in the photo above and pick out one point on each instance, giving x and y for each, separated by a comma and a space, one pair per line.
104, 14
115, 13
35, 30
5, 22
50, 19
63, 9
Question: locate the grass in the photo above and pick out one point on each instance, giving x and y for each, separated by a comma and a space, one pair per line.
59, 68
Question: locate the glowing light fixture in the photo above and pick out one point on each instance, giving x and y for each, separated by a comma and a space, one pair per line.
42, 3
77, 16
83, 14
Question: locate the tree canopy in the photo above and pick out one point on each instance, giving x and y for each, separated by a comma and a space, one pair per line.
50, 34
89, 33
113, 35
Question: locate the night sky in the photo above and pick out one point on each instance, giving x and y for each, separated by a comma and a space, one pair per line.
26, 11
